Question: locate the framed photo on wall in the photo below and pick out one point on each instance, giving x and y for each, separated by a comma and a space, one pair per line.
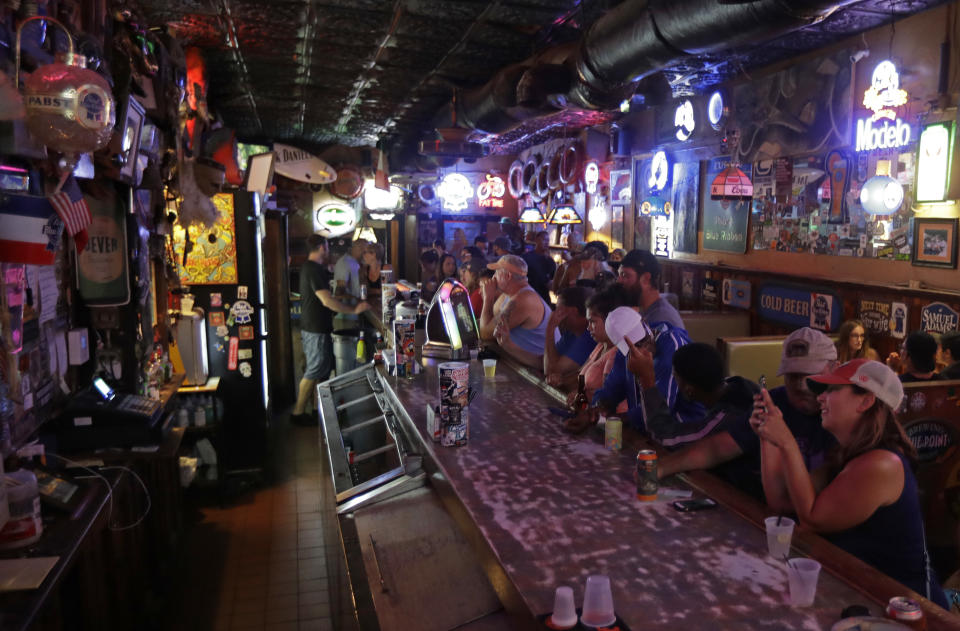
934, 242
130, 140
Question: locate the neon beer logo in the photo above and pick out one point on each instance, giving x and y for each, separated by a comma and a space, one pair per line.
883, 97
490, 193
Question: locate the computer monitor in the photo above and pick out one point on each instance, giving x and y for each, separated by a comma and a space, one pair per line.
260, 172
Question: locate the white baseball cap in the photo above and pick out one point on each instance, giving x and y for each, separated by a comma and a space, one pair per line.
624, 321
868, 374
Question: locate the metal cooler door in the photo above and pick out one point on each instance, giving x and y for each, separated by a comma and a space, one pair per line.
422, 572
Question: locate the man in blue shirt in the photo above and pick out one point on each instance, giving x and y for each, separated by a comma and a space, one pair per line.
639, 274
563, 357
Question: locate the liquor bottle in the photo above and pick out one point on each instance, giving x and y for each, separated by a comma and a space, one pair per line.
361, 349
379, 346
580, 403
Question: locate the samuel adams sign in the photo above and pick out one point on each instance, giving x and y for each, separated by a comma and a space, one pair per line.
937, 317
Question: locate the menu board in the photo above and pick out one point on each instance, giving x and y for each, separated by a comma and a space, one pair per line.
725, 220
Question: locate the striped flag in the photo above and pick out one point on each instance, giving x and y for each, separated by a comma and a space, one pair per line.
72, 208
30, 230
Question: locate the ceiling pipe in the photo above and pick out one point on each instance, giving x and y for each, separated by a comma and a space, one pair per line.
631, 41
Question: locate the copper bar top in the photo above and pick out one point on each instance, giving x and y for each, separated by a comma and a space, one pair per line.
555, 508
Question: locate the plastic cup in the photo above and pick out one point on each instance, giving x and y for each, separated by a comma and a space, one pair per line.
803, 575
564, 611
489, 368
779, 536
598, 602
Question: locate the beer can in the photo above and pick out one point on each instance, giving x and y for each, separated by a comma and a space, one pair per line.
363, 292
907, 612
454, 378
403, 335
613, 433
647, 481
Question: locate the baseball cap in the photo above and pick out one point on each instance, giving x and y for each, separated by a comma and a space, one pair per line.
510, 262
624, 321
805, 351
504, 243
866, 373
642, 261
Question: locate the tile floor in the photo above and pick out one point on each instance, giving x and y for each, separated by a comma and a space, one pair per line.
260, 561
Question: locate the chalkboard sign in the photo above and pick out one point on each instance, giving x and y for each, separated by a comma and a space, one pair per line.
724, 221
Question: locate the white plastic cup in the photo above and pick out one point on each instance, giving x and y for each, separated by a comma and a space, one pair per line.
779, 536
489, 368
803, 575
564, 610
598, 602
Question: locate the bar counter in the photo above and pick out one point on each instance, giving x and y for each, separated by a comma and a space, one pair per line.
551, 508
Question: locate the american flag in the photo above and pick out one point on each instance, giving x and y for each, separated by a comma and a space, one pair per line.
72, 208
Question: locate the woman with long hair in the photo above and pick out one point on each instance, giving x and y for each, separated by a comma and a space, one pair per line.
470, 274
852, 342
864, 499
448, 266
371, 262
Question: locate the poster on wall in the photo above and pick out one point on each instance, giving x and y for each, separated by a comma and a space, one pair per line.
620, 191
213, 259
102, 267
686, 183
815, 96
724, 220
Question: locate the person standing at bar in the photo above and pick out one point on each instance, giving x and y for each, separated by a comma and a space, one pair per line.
513, 313
640, 275
317, 307
346, 275
540, 267
865, 499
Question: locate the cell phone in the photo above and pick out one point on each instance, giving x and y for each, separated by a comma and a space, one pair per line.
688, 506
561, 412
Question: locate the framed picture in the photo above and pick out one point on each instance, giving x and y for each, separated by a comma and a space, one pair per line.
934, 242
620, 191
130, 140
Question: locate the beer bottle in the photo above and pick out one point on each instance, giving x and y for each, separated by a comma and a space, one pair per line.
580, 403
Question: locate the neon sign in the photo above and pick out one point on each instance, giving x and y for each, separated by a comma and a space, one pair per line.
333, 219
933, 162
454, 191
684, 121
597, 216
659, 171
662, 235
882, 98
591, 176
490, 193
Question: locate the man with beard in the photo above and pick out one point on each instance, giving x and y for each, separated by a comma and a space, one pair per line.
639, 274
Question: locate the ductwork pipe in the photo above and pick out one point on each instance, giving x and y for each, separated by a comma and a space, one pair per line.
633, 40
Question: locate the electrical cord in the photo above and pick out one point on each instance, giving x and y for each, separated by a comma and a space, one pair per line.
146, 493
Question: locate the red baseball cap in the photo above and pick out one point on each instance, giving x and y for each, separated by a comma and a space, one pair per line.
866, 373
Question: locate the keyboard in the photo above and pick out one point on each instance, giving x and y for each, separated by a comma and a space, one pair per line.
139, 405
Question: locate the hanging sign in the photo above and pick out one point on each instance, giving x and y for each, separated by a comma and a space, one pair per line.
490, 192
736, 293
937, 317
334, 219
883, 97
299, 165
798, 306
454, 191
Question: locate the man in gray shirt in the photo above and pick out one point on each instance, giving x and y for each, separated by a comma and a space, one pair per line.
639, 274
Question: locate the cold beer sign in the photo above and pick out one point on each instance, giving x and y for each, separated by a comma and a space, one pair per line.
884, 129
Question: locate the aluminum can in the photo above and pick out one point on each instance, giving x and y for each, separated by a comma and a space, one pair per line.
647, 481
613, 433
363, 292
907, 612
403, 335
454, 422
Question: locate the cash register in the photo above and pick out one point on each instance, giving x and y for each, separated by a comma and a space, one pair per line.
98, 416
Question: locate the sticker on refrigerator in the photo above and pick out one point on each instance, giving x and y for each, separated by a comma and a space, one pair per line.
242, 312
245, 353
232, 355
223, 331
245, 369
246, 332
241, 292
216, 318
216, 299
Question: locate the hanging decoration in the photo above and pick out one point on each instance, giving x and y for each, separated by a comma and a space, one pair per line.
531, 214
598, 216
349, 182
69, 109
299, 165
334, 219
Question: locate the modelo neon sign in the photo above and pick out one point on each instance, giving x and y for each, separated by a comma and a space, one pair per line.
883, 97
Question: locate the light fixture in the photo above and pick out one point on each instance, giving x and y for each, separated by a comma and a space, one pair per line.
934, 157
881, 195
659, 172
717, 110
382, 216
564, 215
684, 120
378, 199
531, 214
366, 233
731, 183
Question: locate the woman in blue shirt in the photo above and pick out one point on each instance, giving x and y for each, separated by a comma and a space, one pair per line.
864, 499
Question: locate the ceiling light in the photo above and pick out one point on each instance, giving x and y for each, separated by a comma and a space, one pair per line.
378, 199
564, 215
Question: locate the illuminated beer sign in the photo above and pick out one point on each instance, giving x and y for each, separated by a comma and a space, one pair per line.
591, 176
662, 235
684, 121
454, 191
490, 192
883, 129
